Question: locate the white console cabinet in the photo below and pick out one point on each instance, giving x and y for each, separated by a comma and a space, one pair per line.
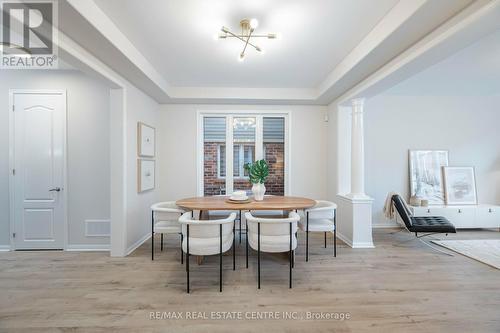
472, 216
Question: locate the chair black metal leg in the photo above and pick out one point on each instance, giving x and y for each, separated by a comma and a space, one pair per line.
335, 234
246, 245
307, 236
325, 239
161, 240
234, 248
290, 255
187, 257
182, 252
240, 226
258, 255
220, 258
152, 235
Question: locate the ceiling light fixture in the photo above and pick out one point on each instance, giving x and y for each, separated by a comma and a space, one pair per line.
247, 31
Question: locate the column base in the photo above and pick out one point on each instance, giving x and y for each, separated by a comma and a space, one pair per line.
358, 197
354, 220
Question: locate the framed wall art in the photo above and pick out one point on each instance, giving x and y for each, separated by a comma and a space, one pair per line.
145, 175
146, 143
426, 177
460, 186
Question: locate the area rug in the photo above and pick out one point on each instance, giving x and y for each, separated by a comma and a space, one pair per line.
486, 251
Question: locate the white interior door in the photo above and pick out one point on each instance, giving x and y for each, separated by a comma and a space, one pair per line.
39, 132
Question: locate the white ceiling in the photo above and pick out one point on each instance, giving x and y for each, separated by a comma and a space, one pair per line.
474, 70
177, 38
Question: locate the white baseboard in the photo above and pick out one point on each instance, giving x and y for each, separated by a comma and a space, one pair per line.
385, 225
4, 248
134, 246
344, 239
355, 245
87, 247
363, 245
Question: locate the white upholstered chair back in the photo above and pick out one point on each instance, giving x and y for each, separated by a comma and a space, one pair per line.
322, 210
166, 211
274, 232
204, 235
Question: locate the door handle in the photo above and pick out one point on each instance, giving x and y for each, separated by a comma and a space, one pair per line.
57, 189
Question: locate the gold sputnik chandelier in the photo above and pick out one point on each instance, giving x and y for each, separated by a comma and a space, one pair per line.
248, 27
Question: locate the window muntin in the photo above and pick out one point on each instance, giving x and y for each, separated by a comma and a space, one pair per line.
242, 154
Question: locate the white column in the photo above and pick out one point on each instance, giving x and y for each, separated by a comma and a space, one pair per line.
357, 150
354, 224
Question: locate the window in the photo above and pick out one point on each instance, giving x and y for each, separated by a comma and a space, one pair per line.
214, 140
250, 137
242, 154
274, 153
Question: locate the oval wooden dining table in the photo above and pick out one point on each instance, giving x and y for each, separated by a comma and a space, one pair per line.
272, 202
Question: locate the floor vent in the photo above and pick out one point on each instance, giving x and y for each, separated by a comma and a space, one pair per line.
97, 228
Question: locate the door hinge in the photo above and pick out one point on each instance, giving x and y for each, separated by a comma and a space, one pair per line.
13, 172
13, 235
13, 108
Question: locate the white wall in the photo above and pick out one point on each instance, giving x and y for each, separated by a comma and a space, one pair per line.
88, 147
332, 153
467, 126
139, 108
308, 156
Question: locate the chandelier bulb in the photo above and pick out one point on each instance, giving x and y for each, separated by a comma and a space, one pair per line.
254, 23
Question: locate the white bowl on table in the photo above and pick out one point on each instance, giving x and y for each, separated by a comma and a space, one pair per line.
239, 196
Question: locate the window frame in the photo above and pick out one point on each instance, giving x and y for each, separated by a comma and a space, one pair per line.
241, 158
229, 115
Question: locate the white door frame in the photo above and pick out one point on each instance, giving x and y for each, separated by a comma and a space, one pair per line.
13, 92
240, 113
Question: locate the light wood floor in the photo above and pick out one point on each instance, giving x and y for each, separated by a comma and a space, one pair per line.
386, 289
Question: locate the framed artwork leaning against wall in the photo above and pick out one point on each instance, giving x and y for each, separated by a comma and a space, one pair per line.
460, 186
426, 177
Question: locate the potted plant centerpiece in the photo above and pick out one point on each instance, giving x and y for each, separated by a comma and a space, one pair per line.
258, 173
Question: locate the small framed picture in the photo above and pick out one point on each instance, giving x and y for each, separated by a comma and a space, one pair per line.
145, 140
460, 186
145, 175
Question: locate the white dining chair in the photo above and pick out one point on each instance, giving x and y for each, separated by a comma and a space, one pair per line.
165, 220
207, 237
272, 235
218, 214
269, 213
322, 217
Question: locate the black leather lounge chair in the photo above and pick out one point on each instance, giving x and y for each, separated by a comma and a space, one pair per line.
426, 225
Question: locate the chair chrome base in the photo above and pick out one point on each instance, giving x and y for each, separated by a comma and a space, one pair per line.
421, 239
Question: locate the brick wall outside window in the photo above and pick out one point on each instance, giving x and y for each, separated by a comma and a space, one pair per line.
274, 156
213, 184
